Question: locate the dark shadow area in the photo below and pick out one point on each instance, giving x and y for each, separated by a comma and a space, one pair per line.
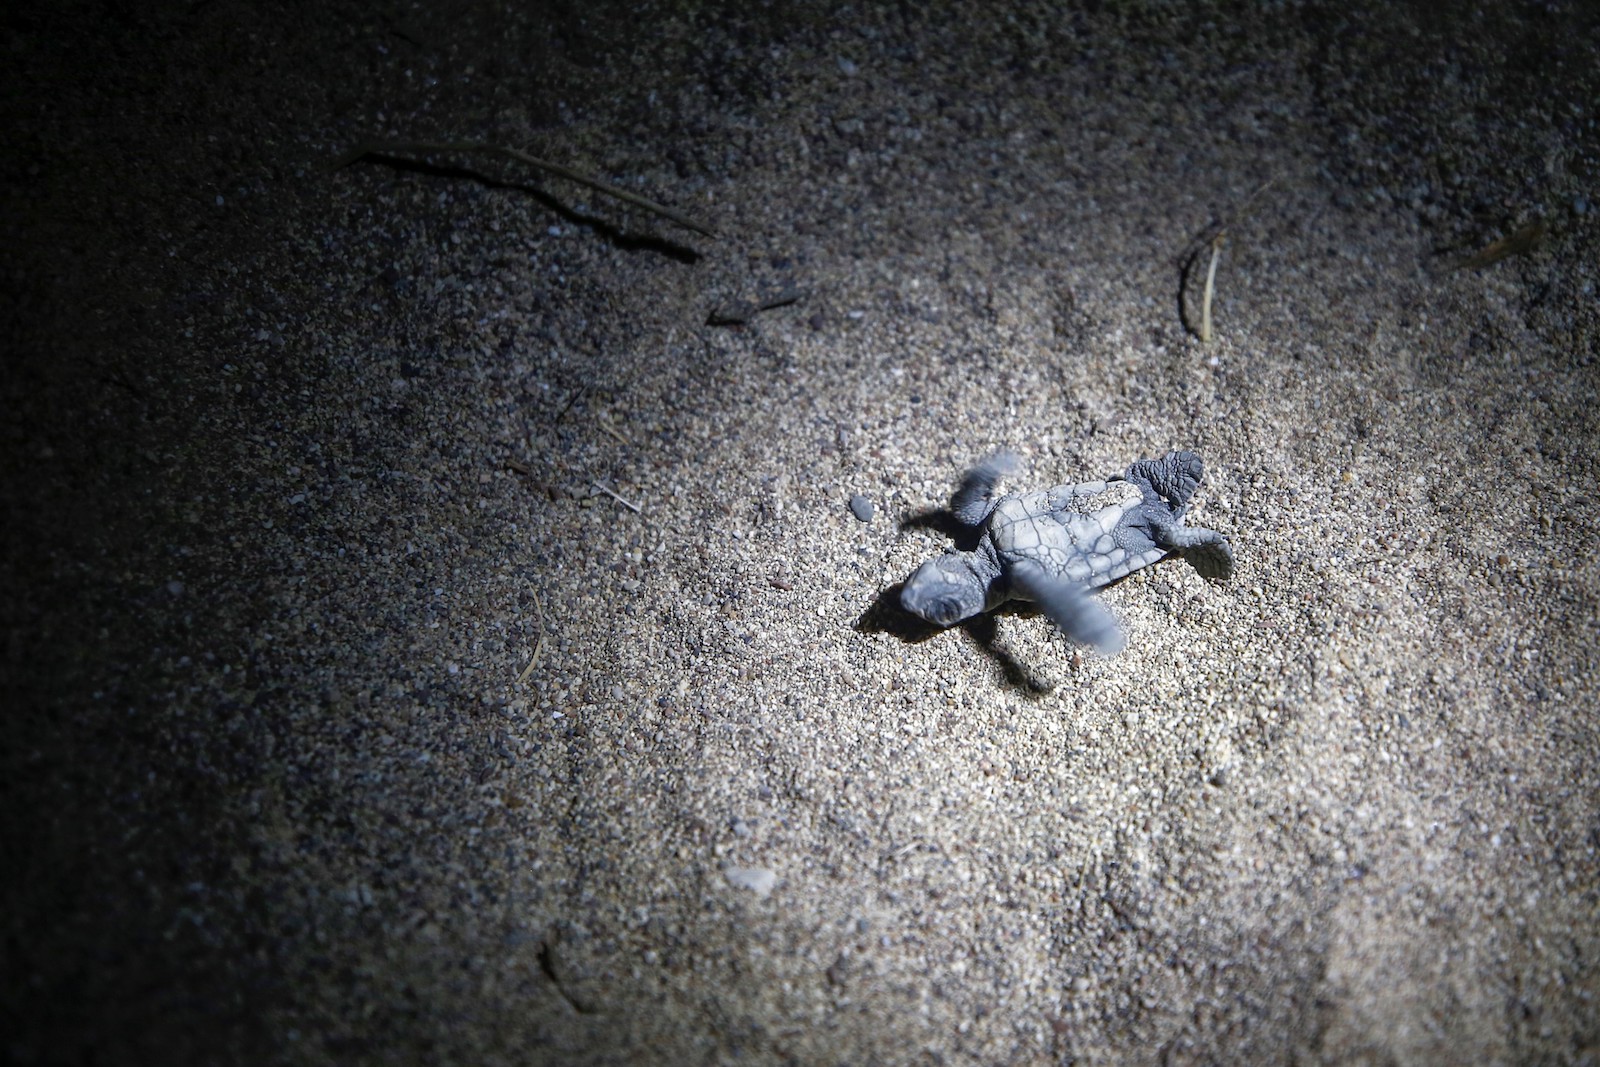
985, 633
612, 234
966, 537
885, 615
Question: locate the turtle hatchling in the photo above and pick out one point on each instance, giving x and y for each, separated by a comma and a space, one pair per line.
1053, 546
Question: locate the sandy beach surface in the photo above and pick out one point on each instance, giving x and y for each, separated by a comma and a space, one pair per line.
436, 625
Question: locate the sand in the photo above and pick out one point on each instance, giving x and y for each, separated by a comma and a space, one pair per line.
430, 638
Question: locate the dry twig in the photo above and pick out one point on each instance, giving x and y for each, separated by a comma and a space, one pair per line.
1212, 235
1519, 242
619, 498
538, 643
384, 148
1211, 281
611, 431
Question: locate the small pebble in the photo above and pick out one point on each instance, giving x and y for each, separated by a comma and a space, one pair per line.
759, 880
861, 508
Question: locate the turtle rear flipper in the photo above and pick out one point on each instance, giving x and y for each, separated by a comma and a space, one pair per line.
1068, 605
1174, 477
974, 499
1207, 551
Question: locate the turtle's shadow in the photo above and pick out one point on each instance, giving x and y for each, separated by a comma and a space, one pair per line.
885, 615
966, 537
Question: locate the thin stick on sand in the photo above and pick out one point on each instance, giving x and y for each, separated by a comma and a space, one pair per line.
388, 148
1214, 235
538, 643
619, 498
1211, 281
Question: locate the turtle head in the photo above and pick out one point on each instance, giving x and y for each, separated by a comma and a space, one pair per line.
945, 590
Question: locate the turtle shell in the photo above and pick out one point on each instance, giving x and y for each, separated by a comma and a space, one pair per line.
1076, 532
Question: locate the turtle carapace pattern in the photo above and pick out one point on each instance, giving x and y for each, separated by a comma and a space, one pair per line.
1054, 546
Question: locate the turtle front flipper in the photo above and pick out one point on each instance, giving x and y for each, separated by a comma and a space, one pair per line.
974, 499
1174, 477
1068, 605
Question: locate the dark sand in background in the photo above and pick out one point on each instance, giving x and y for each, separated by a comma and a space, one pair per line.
303, 468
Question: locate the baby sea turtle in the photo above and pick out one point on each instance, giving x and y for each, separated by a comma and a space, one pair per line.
1053, 546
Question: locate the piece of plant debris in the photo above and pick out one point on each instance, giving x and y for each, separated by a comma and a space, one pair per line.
1211, 281
1522, 240
1215, 236
739, 312
394, 148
